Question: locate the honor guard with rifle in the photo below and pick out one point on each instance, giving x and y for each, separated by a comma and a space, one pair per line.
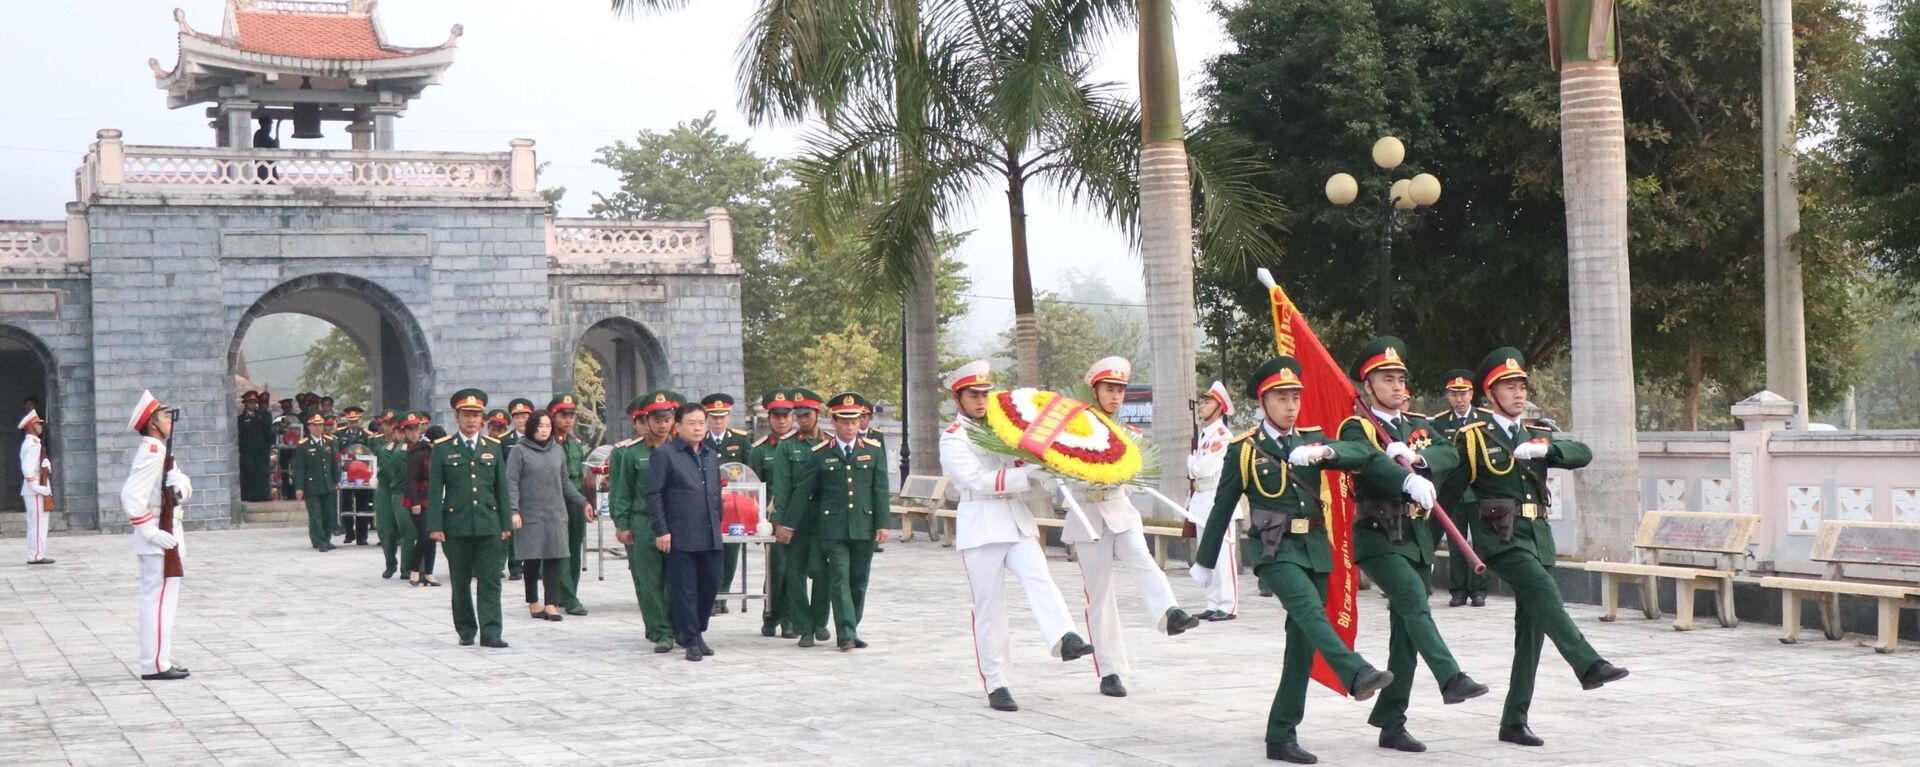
36, 486
1209, 456
151, 496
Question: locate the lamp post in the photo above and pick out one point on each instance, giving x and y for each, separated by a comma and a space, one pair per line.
1404, 194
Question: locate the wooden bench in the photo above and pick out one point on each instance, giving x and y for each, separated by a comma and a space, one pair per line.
1723, 535
920, 495
1840, 543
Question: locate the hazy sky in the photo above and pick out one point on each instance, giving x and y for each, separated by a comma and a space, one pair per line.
563, 72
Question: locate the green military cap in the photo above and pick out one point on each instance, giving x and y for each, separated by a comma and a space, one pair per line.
353, 410
848, 405
717, 403
659, 401
1501, 364
777, 399
805, 398
496, 416
316, 418
562, 402
417, 417
1459, 379
519, 405
1276, 373
469, 399
385, 417
1383, 353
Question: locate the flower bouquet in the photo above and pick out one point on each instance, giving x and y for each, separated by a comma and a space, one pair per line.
1065, 437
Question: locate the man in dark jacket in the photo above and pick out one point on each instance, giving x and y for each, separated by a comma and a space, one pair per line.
683, 508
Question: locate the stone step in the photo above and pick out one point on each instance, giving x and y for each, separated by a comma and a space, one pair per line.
274, 514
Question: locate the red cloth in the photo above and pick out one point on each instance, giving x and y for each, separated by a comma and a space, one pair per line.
359, 472
738, 508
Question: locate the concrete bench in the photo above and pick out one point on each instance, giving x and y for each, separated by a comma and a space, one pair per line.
1725, 536
1840, 543
920, 495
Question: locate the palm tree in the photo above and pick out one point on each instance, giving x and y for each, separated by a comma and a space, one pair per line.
1166, 238
1593, 157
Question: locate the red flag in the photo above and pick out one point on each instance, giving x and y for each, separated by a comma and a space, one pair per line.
1327, 400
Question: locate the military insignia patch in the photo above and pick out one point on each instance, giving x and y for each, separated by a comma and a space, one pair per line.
486, 456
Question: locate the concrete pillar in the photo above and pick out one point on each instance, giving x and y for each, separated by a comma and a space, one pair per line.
522, 171
112, 156
362, 133
1786, 325
383, 118
719, 235
238, 116
78, 248
1750, 462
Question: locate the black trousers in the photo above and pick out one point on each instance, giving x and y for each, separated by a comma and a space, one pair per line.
547, 570
693, 577
424, 547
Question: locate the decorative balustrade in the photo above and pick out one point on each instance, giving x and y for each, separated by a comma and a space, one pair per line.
112, 166
42, 245
590, 240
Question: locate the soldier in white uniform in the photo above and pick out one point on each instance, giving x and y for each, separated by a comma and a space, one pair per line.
36, 496
140, 498
1113, 535
994, 532
1203, 469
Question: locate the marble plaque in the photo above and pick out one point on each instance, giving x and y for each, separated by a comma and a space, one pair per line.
1874, 544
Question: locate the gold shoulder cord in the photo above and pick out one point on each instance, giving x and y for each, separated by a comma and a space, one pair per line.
1486, 457
1247, 475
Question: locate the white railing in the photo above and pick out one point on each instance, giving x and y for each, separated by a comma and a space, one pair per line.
599, 240
112, 166
34, 240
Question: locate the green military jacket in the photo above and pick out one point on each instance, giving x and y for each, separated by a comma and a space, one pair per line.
1492, 473
1454, 494
467, 488
576, 468
355, 436
784, 464
847, 492
316, 466
1257, 469
627, 468
508, 440
256, 433
1381, 480
391, 461
736, 446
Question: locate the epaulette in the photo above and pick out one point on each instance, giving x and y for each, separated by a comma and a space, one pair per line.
873, 443
1306, 428
443, 439
1411, 414
955, 426
1487, 410
762, 440
823, 443
1246, 435
491, 439
628, 443
740, 432
1471, 425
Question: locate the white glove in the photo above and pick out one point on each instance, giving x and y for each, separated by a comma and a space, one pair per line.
151, 533
1527, 451
182, 487
1201, 574
1399, 450
1308, 455
41, 489
1419, 489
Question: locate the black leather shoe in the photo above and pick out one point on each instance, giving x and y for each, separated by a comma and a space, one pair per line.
806, 641
663, 646
577, 610
1072, 646
486, 642
845, 646
1111, 687
1600, 673
766, 631
704, 649
859, 644
466, 641
693, 654
1207, 616
1398, 739
1457, 600
165, 676
182, 669
391, 569
1479, 600
719, 608
1461, 688
1370, 681
1178, 621
1290, 752
1520, 735
1218, 617
514, 576
42, 561
1001, 700
1267, 592
789, 635
822, 635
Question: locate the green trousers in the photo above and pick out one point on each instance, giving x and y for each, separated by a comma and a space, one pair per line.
1539, 612
394, 524
1411, 634
473, 558
576, 536
322, 521
820, 594
646, 564
1304, 594
848, 563
788, 592
1461, 579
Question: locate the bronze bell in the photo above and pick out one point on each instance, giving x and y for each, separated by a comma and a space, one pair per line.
306, 117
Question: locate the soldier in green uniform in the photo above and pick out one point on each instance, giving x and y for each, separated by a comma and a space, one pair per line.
652, 415
806, 416
395, 523
467, 513
497, 428
1463, 584
847, 503
871, 434
256, 448
316, 470
1507, 463
1276, 467
563, 407
732, 446
1393, 539
349, 431
517, 413
782, 462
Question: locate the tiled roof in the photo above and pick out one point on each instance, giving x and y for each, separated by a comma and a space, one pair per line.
311, 36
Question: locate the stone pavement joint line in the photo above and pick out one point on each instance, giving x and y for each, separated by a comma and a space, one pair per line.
307, 658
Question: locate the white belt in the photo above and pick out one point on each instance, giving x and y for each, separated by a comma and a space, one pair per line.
967, 496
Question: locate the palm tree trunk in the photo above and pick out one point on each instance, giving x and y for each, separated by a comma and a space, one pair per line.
923, 367
1026, 326
1166, 243
1696, 374
1594, 160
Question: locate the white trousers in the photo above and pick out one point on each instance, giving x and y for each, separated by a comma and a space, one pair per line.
1028, 563
38, 520
158, 596
1097, 560
1223, 592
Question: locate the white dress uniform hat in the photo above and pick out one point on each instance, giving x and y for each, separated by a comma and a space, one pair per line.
1218, 391
1115, 369
977, 374
143, 410
29, 419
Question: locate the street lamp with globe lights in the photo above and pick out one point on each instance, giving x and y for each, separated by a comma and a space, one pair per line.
1419, 191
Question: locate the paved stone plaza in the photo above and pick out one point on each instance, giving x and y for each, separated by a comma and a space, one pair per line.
312, 658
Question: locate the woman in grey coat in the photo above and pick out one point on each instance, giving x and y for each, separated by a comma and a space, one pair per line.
539, 492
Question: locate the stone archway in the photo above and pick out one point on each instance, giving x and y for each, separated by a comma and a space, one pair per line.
26, 370
632, 363
399, 359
